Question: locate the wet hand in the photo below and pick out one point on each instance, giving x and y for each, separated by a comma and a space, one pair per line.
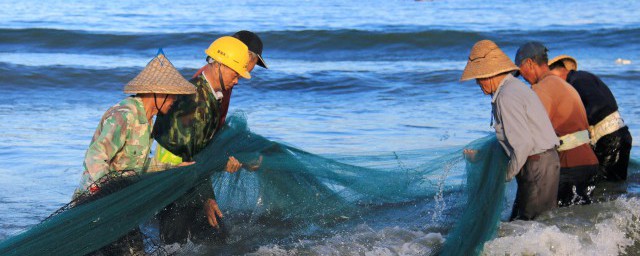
233, 165
212, 210
255, 165
470, 154
186, 163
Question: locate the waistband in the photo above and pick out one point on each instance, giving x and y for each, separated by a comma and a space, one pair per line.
608, 125
573, 140
539, 155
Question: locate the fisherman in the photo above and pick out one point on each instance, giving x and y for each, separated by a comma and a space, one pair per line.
196, 214
522, 128
562, 102
121, 143
610, 137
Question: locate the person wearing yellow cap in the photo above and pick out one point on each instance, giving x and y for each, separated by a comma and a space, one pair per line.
186, 130
522, 129
121, 143
610, 137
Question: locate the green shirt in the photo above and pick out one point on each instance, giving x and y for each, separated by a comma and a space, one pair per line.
190, 123
121, 142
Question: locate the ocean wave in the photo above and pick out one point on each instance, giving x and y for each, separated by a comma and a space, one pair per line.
321, 44
610, 228
364, 240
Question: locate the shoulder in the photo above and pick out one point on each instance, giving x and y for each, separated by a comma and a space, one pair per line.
122, 112
513, 91
515, 87
581, 77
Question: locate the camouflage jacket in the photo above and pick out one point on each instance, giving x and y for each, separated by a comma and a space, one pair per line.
190, 123
121, 142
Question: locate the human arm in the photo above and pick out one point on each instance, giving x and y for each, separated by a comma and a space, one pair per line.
108, 140
233, 165
213, 212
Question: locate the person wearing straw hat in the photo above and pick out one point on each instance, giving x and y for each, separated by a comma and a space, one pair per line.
187, 129
123, 139
522, 128
610, 137
569, 119
120, 145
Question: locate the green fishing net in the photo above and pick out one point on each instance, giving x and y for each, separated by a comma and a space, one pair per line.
293, 189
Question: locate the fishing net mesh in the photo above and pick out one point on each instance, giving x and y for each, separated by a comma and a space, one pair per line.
294, 187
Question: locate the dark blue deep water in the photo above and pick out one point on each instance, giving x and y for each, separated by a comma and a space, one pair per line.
344, 77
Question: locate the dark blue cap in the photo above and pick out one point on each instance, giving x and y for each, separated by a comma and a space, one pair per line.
253, 42
530, 50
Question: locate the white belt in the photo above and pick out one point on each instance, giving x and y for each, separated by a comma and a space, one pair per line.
573, 140
608, 125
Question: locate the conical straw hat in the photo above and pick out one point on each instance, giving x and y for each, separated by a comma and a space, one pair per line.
569, 62
486, 60
159, 76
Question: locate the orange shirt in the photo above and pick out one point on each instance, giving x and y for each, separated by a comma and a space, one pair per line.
567, 115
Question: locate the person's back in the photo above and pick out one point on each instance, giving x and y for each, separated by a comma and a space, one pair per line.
609, 136
595, 94
567, 115
522, 128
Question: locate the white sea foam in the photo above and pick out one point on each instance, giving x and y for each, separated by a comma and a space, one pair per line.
364, 241
610, 228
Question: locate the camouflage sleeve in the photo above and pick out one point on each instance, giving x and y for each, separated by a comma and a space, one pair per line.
110, 139
173, 130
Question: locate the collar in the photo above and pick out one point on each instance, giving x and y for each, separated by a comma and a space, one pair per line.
216, 94
140, 112
495, 94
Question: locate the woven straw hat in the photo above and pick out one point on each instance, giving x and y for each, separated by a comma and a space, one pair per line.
159, 76
569, 62
486, 60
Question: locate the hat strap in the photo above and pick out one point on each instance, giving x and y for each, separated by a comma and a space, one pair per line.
220, 77
155, 102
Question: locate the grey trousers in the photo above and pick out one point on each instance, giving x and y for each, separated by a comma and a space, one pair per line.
537, 186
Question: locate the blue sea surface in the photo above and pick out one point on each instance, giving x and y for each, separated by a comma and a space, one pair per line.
345, 78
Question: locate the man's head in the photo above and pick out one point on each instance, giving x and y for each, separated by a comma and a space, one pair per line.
562, 64
532, 60
487, 64
160, 81
229, 57
253, 42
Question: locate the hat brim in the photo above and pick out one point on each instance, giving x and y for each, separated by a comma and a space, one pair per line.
261, 62
569, 62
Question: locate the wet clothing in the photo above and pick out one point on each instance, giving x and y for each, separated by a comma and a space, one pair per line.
537, 186
186, 218
121, 143
612, 150
567, 114
574, 185
525, 133
521, 123
185, 130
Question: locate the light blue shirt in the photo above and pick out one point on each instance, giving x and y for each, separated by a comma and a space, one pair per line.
522, 125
